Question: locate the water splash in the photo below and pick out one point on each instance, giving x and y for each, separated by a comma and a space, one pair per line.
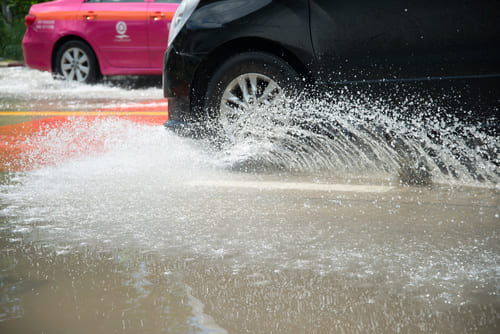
361, 137
45, 93
120, 184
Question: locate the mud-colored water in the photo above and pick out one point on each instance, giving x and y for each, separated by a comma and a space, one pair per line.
296, 229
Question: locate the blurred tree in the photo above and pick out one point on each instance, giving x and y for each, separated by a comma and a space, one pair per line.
6, 11
12, 26
14, 9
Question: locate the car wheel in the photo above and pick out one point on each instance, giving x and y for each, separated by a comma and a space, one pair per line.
247, 81
77, 62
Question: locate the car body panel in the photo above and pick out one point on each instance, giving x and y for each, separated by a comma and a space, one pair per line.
160, 17
264, 19
342, 42
125, 36
118, 32
394, 39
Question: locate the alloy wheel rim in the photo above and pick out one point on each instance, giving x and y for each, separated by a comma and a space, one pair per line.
75, 65
246, 92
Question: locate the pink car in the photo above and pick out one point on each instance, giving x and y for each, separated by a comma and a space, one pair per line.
82, 40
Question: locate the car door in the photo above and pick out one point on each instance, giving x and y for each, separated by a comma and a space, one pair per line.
118, 31
356, 40
160, 14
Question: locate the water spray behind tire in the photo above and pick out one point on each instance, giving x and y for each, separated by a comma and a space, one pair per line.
337, 136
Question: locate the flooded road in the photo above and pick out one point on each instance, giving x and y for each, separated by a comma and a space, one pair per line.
23, 89
142, 231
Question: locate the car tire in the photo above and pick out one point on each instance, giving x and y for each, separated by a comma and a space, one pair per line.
75, 61
247, 79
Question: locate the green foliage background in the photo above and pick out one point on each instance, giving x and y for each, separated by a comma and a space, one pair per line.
12, 27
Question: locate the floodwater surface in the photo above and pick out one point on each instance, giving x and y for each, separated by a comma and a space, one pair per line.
292, 230
23, 89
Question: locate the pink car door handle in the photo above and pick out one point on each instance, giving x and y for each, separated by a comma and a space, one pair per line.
157, 16
89, 16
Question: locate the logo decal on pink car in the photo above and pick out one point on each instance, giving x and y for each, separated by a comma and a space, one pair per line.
121, 29
45, 25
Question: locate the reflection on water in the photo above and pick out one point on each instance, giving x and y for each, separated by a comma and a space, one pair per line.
119, 227
257, 261
87, 290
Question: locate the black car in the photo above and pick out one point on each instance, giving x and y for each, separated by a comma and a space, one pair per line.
226, 56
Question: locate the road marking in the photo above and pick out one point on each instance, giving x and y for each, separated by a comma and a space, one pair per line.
83, 113
276, 185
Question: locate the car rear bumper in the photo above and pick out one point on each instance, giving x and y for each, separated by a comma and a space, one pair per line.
37, 51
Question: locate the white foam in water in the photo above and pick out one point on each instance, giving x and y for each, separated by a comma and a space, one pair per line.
342, 137
307, 186
26, 89
113, 157
120, 184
